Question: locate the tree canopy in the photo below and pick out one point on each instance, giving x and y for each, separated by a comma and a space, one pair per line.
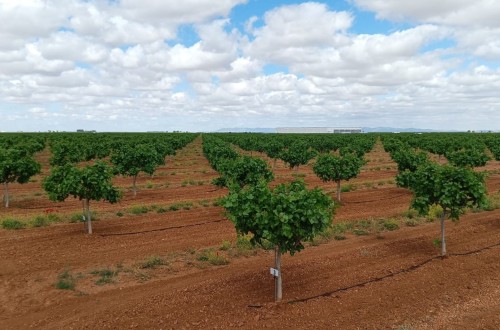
130, 160
329, 167
286, 216
453, 188
90, 183
16, 165
298, 153
243, 170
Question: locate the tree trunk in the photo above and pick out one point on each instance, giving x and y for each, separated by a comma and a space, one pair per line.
88, 216
338, 191
6, 194
443, 241
134, 188
278, 292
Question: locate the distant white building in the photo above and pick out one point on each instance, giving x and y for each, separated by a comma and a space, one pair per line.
337, 130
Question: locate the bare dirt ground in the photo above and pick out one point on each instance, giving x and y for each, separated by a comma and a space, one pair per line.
393, 280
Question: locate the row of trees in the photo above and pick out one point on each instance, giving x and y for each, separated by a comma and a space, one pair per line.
74, 173
127, 157
17, 163
459, 149
279, 215
454, 187
285, 216
288, 214
338, 157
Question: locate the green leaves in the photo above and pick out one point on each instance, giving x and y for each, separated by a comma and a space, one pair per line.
453, 188
17, 164
273, 148
92, 182
217, 151
64, 152
235, 169
286, 216
408, 159
298, 153
130, 159
335, 168
244, 170
468, 157
330, 167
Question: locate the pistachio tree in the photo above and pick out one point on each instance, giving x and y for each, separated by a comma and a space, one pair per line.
130, 160
468, 157
89, 183
16, 165
243, 170
453, 188
286, 216
298, 153
329, 167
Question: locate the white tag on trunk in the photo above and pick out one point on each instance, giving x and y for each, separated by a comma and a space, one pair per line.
275, 272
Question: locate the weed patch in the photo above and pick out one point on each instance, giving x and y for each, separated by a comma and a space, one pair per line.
79, 217
65, 281
152, 262
12, 224
40, 221
212, 257
225, 245
139, 209
360, 232
435, 212
347, 187
106, 276
390, 225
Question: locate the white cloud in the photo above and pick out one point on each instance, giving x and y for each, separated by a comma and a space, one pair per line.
294, 30
121, 65
177, 12
18, 20
481, 42
475, 25
448, 12
70, 46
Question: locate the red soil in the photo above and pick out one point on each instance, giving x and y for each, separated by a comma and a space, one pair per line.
389, 281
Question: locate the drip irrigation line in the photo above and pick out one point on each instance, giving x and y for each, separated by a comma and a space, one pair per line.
162, 229
378, 279
44, 207
459, 254
373, 200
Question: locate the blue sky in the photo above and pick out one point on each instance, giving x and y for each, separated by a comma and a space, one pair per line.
200, 65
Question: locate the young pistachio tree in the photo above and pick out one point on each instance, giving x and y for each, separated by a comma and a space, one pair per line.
408, 162
130, 160
329, 167
242, 171
468, 157
16, 165
453, 188
286, 216
273, 149
90, 183
298, 153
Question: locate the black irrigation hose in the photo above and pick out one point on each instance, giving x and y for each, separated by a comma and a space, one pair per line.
459, 254
44, 207
162, 229
377, 279
374, 200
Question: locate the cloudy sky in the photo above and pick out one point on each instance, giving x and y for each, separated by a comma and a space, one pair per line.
201, 65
